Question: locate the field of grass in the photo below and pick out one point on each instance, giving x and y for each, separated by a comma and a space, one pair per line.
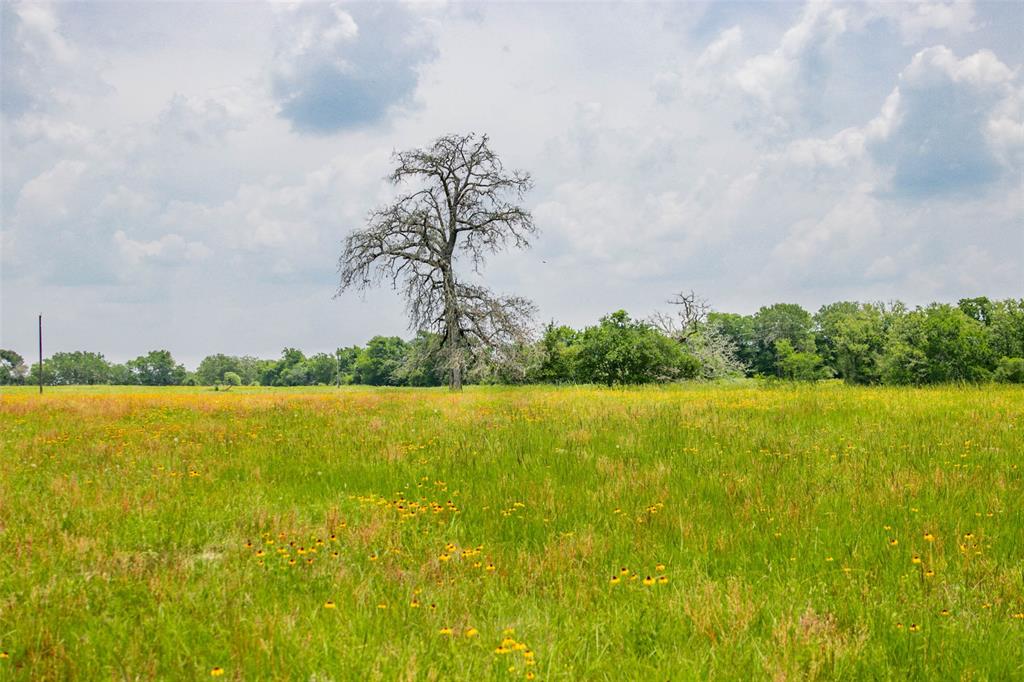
725, 532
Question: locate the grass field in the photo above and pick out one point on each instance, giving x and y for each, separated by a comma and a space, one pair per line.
726, 532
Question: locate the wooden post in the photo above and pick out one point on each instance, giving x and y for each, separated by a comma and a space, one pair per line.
40, 353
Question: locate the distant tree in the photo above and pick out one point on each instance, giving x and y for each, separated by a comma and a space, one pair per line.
12, 367
852, 337
379, 363
739, 331
157, 368
75, 368
232, 379
782, 321
121, 375
1006, 328
620, 350
290, 370
346, 358
935, 344
715, 352
462, 203
708, 343
799, 365
212, 368
424, 363
322, 368
558, 354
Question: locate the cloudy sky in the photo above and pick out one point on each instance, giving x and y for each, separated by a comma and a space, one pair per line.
182, 175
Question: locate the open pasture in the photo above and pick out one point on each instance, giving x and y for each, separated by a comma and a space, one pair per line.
726, 532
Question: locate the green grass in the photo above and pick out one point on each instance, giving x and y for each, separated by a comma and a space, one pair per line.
125, 517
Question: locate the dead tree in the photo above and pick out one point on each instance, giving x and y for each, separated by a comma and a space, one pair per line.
461, 204
691, 312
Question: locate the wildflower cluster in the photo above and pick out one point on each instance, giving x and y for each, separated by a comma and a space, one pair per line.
521, 656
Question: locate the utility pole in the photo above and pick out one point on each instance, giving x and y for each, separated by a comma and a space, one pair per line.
40, 353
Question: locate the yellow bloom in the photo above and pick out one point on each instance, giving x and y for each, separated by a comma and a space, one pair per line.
930, 573
530, 675
472, 632
623, 571
914, 627
893, 542
490, 567
445, 631
915, 559
929, 537
648, 580
615, 580
4, 655
415, 603
944, 612
329, 605
216, 672
373, 557
382, 605
663, 579
660, 568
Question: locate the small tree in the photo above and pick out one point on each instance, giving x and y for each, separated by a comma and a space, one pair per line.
461, 203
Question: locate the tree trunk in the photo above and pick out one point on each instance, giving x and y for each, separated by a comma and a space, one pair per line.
453, 339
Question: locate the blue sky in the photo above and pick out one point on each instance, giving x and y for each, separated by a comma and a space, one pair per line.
182, 175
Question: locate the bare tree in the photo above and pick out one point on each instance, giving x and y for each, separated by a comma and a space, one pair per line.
691, 313
461, 203
701, 339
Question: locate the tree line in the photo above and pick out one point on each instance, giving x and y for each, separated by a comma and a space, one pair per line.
976, 340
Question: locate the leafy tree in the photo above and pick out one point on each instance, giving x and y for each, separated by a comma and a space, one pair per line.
232, 379
156, 368
121, 375
558, 348
12, 367
75, 368
379, 363
347, 363
462, 203
1006, 328
852, 339
322, 368
287, 371
213, 368
939, 343
799, 365
619, 350
424, 363
782, 321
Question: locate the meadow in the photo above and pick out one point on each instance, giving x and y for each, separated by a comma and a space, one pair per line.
681, 532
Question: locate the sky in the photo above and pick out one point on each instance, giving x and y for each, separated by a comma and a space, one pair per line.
182, 176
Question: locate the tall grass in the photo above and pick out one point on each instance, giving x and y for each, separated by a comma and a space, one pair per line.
789, 532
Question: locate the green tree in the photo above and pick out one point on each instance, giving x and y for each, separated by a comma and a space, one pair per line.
213, 368
156, 368
379, 362
322, 368
1006, 328
347, 363
75, 368
852, 339
232, 379
799, 365
782, 321
424, 363
939, 343
559, 348
620, 350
